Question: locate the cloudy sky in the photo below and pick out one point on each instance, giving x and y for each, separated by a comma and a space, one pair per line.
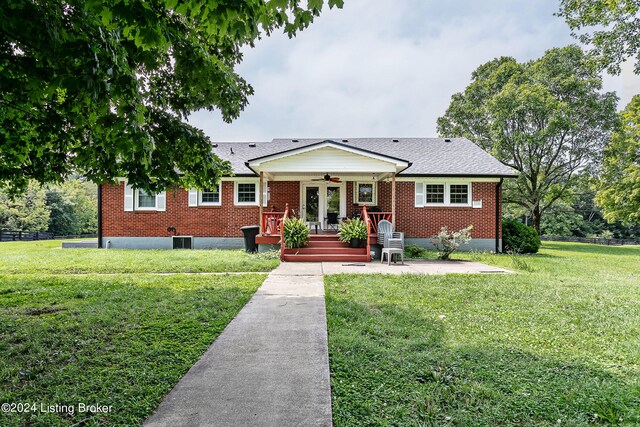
386, 68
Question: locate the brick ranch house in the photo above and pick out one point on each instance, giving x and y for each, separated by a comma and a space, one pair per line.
419, 184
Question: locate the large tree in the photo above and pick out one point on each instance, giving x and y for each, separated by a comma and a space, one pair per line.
610, 28
619, 187
27, 212
102, 88
545, 118
74, 208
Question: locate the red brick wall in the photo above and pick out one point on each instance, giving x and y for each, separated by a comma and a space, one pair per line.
226, 220
283, 192
427, 221
202, 221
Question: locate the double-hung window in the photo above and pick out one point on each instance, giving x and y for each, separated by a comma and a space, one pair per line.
459, 194
207, 197
145, 200
246, 193
434, 193
210, 196
136, 199
442, 194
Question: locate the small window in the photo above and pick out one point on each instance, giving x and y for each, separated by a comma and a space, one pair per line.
210, 196
434, 193
459, 194
182, 242
365, 193
145, 200
246, 192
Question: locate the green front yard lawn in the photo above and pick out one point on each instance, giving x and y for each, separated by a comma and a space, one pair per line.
556, 344
47, 256
118, 340
121, 341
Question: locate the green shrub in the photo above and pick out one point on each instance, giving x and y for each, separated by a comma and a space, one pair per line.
446, 242
296, 233
519, 238
414, 251
353, 228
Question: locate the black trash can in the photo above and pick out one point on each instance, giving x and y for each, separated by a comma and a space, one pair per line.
250, 232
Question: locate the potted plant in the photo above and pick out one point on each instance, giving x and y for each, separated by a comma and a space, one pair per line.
296, 233
353, 231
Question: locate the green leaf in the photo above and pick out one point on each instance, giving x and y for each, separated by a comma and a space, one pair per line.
315, 4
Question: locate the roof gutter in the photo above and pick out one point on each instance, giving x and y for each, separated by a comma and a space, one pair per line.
99, 215
404, 169
457, 175
249, 167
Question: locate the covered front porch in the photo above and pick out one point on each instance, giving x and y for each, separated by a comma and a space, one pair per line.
325, 184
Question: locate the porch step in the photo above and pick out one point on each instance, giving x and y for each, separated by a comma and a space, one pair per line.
327, 248
325, 258
327, 244
322, 237
309, 250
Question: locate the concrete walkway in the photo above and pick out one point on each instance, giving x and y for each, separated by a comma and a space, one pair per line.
411, 267
269, 367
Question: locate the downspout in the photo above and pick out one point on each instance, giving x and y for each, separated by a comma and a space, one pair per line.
498, 192
99, 215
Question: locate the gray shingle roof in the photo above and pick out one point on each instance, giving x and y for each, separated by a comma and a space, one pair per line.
429, 156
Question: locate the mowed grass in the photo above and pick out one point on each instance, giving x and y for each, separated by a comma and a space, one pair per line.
556, 344
119, 340
49, 257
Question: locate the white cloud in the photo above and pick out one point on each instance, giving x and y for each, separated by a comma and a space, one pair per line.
382, 69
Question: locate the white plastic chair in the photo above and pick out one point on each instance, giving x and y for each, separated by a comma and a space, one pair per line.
393, 244
384, 226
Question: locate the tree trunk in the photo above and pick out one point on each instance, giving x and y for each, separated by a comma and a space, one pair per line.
535, 217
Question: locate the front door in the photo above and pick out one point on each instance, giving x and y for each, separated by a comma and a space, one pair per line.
323, 204
311, 204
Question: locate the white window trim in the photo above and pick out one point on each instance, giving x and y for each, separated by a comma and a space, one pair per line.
447, 194
256, 202
374, 196
136, 200
446, 199
218, 203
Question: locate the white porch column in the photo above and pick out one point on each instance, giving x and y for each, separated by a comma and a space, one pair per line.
260, 198
393, 200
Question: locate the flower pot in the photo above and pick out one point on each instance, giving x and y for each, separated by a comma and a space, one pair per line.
363, 243
354, 243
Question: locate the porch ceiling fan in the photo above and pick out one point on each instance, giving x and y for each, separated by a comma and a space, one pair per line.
328, 178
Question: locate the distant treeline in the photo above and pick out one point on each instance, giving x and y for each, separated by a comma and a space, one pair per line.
69, 208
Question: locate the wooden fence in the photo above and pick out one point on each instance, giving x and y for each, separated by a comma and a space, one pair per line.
13, 236
592, 240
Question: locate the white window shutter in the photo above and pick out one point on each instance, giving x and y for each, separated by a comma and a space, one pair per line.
193, 197
419, 202
128, 197
161, 201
